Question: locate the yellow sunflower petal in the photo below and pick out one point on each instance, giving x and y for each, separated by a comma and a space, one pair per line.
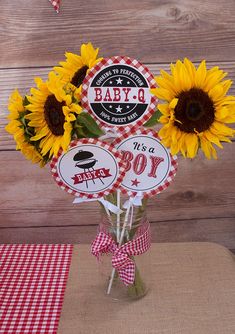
166, 141
30, 153
222, 129
186, 81
206, 147
226, 85
70, 117
46, 144
216, 93
213, 77
162, 93
163, 119
191, 141
164, 109
66, 141
172, 67
211, 137
55, 148
76, 108
16, 102
66, 110
88, 53
213, 152
40, 134
163, 131
230, 117
182, 144
164, 83
178, 80
200, 75
175, 134
221, 113
174, 148
191, 69
38, 81
224, 139
167, 76
73, 59
13, 126
173, 103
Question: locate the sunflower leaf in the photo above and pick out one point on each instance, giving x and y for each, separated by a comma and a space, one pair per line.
80, 132
83, 132
90, 124
89, 134
154, 119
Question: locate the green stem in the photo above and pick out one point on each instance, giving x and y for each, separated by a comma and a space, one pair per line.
138, 288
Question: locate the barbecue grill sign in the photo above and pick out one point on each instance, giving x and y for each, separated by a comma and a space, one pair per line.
89, 168
117, 92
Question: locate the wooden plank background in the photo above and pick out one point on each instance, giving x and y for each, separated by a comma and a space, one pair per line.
200, 205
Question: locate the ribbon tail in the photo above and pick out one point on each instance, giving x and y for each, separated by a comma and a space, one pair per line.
109, 133
127, 274
108, 205
136, 201
79, 200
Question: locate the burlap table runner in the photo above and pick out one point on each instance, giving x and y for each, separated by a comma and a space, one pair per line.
192, 292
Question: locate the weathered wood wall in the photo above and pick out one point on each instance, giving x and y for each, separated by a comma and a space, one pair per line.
200, 205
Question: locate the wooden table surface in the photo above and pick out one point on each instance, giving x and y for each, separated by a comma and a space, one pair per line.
200, 205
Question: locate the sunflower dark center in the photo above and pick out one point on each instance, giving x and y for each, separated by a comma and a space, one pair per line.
79, 76
194, 111
54, 115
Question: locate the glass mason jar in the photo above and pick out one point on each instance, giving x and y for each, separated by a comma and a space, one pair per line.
112, 284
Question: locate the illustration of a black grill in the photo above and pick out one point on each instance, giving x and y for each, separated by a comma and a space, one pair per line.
86, 161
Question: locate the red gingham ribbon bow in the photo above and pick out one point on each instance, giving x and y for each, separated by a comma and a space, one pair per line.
104, 243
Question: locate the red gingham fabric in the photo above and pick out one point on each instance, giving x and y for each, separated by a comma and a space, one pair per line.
33, 280
104, 243
56, 5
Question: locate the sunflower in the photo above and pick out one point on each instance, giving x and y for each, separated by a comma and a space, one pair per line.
31, 153
51, 112
75, 68
196, 108
17, 127
16, 109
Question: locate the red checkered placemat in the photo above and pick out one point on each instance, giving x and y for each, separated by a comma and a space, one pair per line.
32, 285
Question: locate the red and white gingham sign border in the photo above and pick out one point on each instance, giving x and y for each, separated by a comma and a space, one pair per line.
105, 145
172, 171
122, 60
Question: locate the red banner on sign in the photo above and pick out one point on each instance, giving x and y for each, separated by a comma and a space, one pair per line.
91, 175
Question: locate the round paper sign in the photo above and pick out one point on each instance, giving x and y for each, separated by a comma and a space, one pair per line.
117, 93
149, 165
90, 168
